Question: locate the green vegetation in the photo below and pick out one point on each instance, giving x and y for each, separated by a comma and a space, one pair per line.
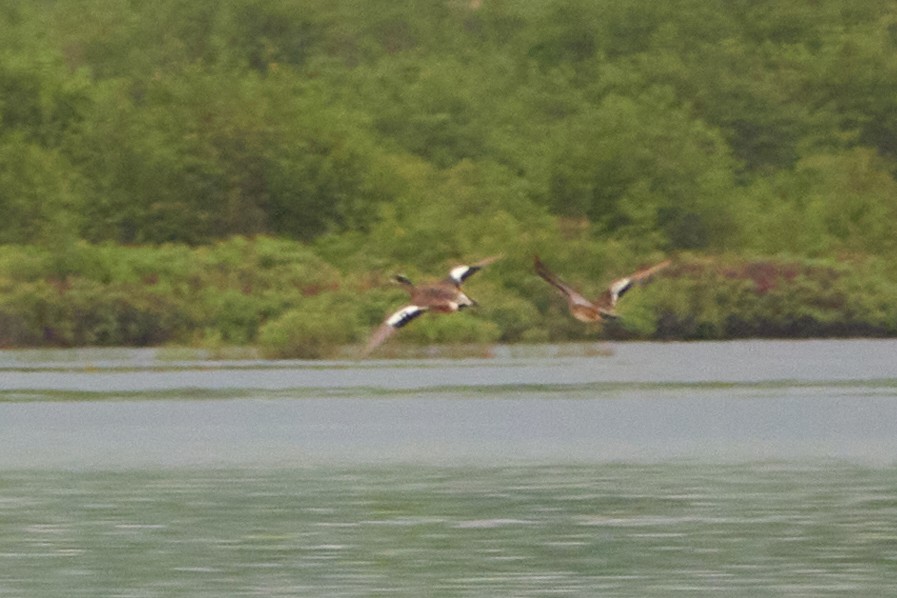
252, 172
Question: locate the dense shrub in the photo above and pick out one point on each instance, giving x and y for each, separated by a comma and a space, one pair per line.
195, 171
316, 329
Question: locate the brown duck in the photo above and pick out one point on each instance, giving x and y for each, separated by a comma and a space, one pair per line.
603, 307
444, 296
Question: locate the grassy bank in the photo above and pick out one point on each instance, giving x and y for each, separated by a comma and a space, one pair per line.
153, 157
282, 297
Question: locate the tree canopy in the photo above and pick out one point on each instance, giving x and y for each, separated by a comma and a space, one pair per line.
383, 132
688, 121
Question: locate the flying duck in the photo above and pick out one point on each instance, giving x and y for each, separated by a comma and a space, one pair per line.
603, 307
444, 296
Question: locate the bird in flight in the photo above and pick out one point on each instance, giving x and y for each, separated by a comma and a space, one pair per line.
603, 307
443, 296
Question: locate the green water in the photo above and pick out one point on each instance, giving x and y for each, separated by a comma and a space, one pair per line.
756, 468
762, 529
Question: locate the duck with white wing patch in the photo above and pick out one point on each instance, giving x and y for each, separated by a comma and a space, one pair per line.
444, 296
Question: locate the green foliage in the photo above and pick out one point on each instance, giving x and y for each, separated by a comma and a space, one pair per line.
115, 295
316, 329
202, 171
640, 166
833, 203
84, 312
514, 317
670, 126
458, 328
279, 296
705, 299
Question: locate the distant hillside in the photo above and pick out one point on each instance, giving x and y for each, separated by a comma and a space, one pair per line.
374, 135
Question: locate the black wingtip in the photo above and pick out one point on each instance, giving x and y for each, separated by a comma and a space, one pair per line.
404, 315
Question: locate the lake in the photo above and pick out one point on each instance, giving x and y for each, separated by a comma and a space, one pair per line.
631, 469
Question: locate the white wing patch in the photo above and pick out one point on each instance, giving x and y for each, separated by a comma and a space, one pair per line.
391, 324
618, 287
459, 273
405, 315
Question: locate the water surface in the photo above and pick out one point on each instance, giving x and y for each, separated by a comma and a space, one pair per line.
755, 468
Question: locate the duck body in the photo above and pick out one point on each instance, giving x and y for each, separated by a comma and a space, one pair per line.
604, 306
444, 296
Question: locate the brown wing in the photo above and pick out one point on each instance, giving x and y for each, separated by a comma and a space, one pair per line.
572, 294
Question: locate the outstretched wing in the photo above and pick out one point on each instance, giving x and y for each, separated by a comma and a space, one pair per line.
391, 324
619, 287
572, 294
459, 274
